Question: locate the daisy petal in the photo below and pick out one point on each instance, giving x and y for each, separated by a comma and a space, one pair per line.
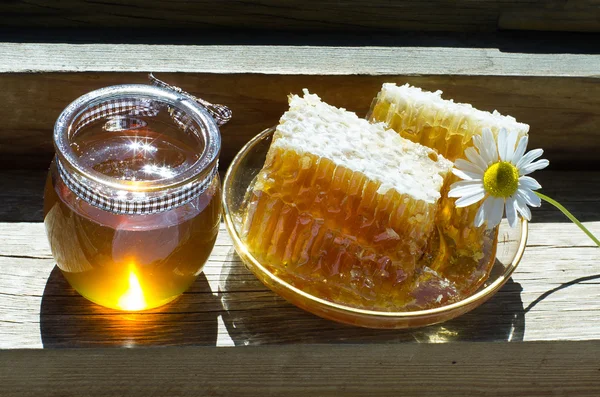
529, 157
511, 142
530, 197
465, 183
511, 212
467, 200
529, 183
483, 211
475, 158
465, 188
478, 142
520, 150
536, 165
522, 207
495, 215
467, 166
469, 176
502, 143
490, 152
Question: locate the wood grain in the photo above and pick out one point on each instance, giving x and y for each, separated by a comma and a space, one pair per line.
564, 112
460, 369
553, 295
579, 18
285, 59
328, 15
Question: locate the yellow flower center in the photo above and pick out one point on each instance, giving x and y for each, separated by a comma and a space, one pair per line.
501, 179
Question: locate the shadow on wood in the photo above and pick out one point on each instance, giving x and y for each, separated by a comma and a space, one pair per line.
579, 192
502, 318
69, 320
562, 286
551, 105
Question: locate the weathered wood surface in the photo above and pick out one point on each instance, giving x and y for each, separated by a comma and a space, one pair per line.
304, 60
564, 112
328, 15
553, 295
453, 370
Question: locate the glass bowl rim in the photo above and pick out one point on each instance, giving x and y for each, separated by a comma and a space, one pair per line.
239, 245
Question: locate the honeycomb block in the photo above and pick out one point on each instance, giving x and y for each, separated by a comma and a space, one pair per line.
440, 124
347, 223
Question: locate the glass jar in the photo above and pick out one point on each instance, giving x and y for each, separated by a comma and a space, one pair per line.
131, 204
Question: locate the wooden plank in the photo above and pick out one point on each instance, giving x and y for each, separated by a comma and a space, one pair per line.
520, 369
553, 295
306, 60
328, 15
563, 111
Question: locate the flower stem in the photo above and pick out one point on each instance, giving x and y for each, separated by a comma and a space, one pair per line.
568, 215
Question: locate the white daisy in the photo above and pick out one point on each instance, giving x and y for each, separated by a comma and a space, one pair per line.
497, 174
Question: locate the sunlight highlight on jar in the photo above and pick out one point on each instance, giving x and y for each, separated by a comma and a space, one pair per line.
133, 299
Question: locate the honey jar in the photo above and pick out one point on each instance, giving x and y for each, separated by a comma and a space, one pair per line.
131, 204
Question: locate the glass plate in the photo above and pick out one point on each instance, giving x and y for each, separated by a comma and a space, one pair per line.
244, 167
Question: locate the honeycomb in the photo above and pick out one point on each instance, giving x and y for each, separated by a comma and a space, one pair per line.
329, 230
424, 117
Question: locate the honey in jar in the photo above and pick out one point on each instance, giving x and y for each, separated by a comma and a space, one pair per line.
132, 199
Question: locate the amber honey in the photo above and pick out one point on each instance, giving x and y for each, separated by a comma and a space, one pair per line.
429, 130
122, 261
